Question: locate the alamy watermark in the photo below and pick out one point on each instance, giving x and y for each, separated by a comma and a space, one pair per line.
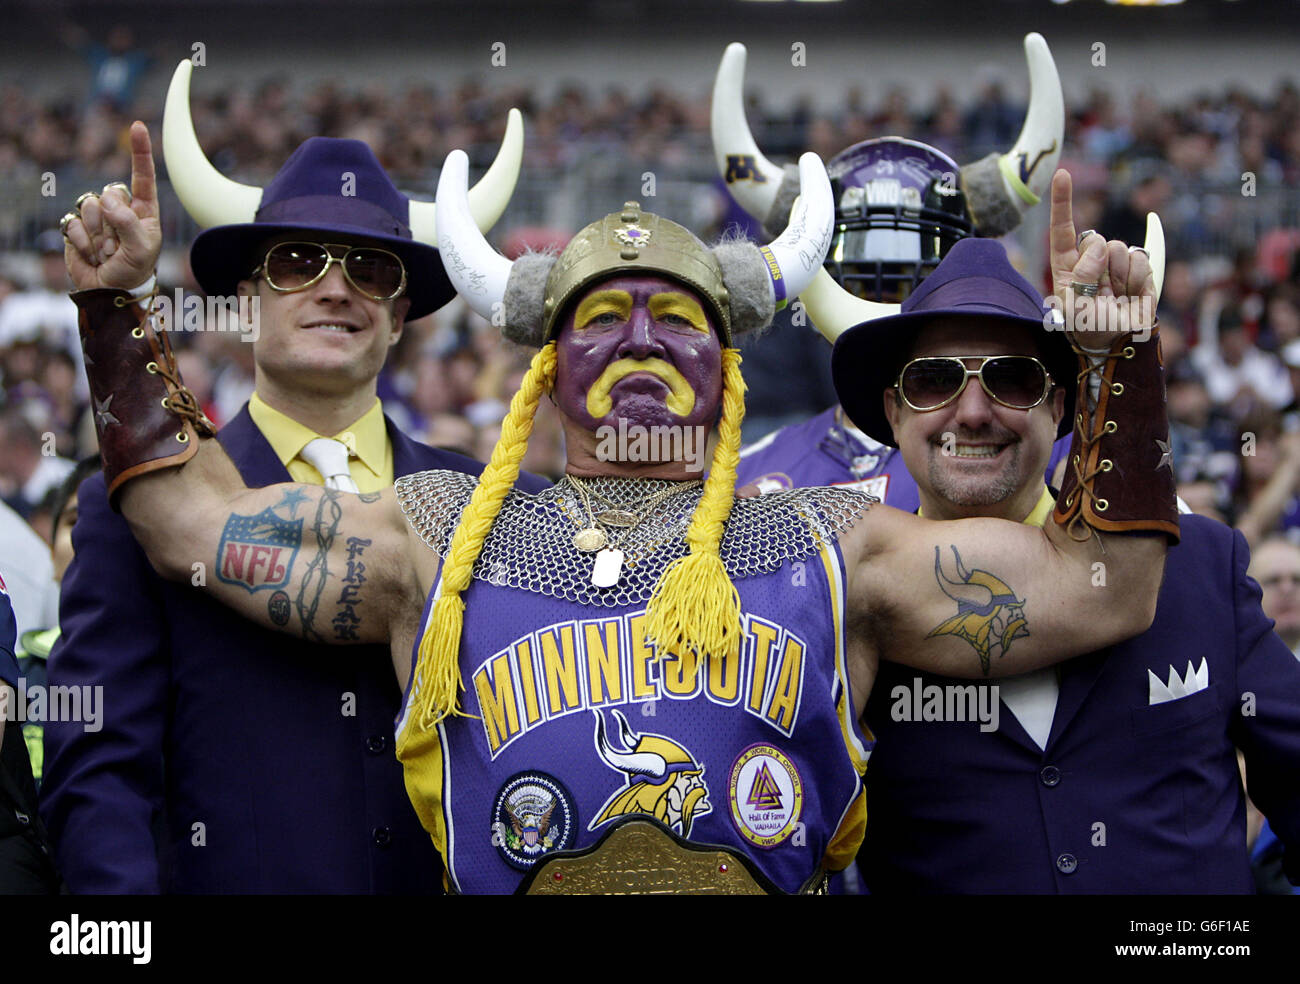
950, 702
670, 442
186, 311
40, 704
1120, 315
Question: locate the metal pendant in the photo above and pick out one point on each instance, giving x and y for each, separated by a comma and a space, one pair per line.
590, 540
608, 569
618, 517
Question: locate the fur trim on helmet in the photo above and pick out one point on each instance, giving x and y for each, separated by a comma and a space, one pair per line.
523, 303
744, 272
992, 211
778, 216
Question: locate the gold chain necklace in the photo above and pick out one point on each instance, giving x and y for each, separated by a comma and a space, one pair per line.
592, 539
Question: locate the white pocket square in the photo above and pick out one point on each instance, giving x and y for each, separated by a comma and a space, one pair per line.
1196, 680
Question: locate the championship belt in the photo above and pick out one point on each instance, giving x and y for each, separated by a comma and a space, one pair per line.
640, 856
1120, 475
145, 417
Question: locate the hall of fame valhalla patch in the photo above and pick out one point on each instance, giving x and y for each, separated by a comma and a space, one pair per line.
534, 816
766, 795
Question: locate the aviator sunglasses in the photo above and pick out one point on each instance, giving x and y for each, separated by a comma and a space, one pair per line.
374, 273
1017, 381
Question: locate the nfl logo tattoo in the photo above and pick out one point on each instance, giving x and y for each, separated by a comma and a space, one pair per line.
258, 551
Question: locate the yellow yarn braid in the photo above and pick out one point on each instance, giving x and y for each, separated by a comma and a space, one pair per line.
437, 671
695, 609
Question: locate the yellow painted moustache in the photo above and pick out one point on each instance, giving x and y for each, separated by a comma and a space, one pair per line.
681, 398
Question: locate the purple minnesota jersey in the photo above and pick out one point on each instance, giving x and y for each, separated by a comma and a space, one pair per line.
822, 452
575, 724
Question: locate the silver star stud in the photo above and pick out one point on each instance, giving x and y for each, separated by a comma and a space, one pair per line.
105, 416
1166, 455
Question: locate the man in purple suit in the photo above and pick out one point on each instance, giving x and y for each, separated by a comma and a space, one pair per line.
263, 763
1115, 772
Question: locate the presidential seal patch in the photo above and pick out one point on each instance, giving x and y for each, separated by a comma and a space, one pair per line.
534, 816
766, 795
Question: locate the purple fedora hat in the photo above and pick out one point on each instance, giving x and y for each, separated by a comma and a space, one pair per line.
327, 187
976, 281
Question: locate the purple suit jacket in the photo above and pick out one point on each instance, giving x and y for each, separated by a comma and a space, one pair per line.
260, 762
1129, 796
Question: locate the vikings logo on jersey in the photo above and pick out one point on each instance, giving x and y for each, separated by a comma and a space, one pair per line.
663, 779
989, 615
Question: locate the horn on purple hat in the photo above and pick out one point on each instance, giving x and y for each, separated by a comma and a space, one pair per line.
212, 199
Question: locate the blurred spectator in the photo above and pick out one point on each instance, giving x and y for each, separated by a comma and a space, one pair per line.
1238, 374
116, 67
1275, 564
28, 572
43, 313
1266, 498
27, 472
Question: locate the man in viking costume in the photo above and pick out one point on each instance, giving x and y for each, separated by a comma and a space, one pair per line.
303, 794
900, 205
634, 681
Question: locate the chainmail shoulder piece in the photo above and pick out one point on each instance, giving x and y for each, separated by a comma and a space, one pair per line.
531, 544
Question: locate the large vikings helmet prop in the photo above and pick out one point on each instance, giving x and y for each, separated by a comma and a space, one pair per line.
900, 204
899, 208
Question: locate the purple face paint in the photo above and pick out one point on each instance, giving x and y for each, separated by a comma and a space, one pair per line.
639, 348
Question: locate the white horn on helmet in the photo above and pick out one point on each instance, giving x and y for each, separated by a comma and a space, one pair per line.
487, 199
834, 310
477, 271
1001, 188
1029, 165
796, 255
751, 178
209, 196
1155, 247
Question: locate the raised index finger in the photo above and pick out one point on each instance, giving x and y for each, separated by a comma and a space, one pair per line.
1061, 236
144, 186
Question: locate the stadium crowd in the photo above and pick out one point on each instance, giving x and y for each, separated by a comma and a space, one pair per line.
1230, 311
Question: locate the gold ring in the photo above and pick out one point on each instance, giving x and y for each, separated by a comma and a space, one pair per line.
1085, 290
119, 184
67, 220
82, 197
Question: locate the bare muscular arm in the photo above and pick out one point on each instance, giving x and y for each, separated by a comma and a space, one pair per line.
331, 567
987, 597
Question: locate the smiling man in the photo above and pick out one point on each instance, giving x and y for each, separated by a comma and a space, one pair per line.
631, 680
1115, 772
303, 795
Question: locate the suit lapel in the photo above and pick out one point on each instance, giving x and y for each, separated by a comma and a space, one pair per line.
251, 452
1078, 676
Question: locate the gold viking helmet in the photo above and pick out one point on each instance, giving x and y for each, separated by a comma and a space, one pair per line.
631, 241
694, 611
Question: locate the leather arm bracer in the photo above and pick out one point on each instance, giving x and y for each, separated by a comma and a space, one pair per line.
145, 417
1119, 477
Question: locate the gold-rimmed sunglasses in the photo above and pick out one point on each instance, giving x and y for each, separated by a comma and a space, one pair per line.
1019, 382
374, 273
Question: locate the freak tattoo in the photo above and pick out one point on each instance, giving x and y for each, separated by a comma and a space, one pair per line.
989, 615
346, 621
326, 526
